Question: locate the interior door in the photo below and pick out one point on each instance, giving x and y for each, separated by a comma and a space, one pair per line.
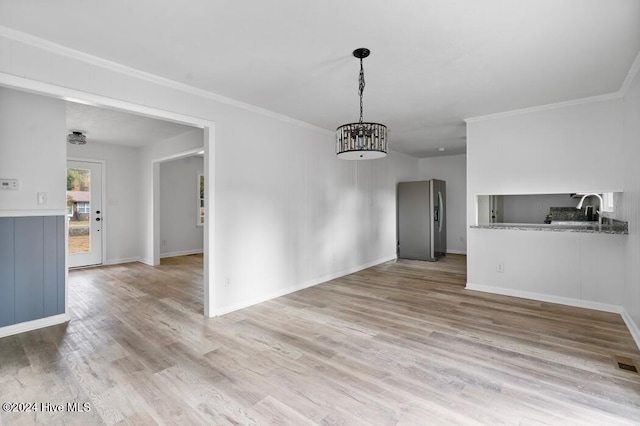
84, 213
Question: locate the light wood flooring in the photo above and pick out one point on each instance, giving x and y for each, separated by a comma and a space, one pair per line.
400, 343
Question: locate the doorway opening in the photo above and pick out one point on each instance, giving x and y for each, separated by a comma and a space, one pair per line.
86, 98
130, 147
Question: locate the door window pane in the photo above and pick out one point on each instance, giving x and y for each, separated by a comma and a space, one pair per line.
79, 209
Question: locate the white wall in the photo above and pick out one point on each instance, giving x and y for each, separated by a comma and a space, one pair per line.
574, 148
550, 266
32, 150
534, 208
120, 213
453, 170
291, 214
179, 198
631, 149
287, 213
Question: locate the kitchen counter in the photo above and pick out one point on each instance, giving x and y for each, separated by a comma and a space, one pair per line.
609, 226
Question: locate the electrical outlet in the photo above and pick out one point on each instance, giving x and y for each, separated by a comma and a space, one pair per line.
164, 243
227, 282
500, 267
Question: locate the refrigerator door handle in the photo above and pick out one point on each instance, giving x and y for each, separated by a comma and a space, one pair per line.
440, 207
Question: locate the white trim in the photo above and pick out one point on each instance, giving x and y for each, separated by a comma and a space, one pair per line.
209, 220
633, 71
181, 253
155, 212
33, 325
605, 307
631, 74
86, 160
452, 251
66, 264
564, 104
122, 260
55, 48
155, 179
632, 326
297, 287
103, 203
147, 262
33, 86
177, 156
25, 213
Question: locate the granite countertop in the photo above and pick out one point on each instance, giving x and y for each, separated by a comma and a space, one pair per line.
609, 226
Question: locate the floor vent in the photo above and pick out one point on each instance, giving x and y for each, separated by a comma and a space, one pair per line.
626, 364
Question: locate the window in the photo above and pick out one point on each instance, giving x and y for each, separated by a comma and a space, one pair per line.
84, 207
200, 200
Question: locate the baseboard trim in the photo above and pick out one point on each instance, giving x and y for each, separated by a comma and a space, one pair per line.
123, 260
23, 327
456, 251
632, 326
605, 307
292, 289
181, 253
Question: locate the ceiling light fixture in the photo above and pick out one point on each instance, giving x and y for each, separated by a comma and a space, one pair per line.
76, 138
361, 141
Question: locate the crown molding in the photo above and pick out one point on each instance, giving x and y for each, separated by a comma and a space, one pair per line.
58, 49
72, 95
633, 72
564, 104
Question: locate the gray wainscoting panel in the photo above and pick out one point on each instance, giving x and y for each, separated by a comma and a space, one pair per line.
50, 266
61, 251
29, 268
32, 268
7, 295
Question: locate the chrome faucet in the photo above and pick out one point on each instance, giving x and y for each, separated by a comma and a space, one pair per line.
597, 211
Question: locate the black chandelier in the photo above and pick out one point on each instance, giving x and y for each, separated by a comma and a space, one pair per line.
76, 138
361, 140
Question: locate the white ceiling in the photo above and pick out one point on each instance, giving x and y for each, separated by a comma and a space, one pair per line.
433, 62
114, 127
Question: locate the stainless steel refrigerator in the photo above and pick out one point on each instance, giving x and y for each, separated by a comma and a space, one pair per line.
422, 231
